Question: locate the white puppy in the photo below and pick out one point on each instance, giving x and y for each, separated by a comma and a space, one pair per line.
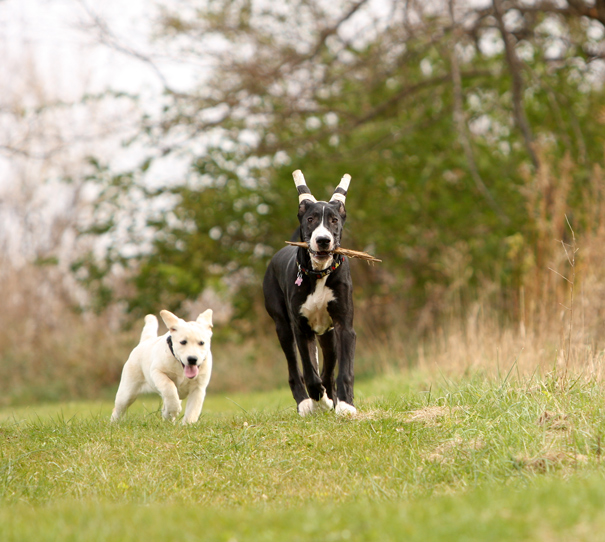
175, 365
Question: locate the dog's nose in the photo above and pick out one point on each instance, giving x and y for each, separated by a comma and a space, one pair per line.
192, 360
323, 242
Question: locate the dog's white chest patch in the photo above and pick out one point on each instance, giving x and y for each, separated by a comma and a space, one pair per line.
315, 307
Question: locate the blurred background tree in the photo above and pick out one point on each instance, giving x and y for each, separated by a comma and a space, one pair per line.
474, 133
443, 112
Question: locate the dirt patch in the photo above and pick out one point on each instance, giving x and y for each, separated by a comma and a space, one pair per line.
374, 414
449, 451
430, 415
549, 461
555, 421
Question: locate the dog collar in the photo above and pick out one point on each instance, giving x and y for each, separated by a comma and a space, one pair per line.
317, 274
169, 341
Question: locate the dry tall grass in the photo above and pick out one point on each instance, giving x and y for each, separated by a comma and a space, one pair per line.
551, 320
50, 352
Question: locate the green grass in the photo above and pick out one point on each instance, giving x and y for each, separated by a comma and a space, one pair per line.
475, 459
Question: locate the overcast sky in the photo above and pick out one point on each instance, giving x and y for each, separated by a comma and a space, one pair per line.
50, 52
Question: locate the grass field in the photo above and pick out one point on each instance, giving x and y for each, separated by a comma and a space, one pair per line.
427, 458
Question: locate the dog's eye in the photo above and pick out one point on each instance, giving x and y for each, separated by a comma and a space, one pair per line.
310, 219
201, 343
183, 342
335, 220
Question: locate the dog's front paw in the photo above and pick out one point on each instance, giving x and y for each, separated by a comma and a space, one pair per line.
306, 407
309, 406
188, 420
345, 409
171, 414
324, 404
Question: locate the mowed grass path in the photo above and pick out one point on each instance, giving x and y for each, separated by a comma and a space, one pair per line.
472, 459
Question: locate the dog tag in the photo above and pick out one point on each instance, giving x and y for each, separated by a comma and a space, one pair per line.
298, 280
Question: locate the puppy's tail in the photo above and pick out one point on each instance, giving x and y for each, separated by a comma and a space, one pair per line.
150, 330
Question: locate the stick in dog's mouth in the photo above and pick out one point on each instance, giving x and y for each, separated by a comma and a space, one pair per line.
338, 250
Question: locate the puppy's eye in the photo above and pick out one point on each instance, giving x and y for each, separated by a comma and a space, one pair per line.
310, 219
183, 342
201, 343
335, 220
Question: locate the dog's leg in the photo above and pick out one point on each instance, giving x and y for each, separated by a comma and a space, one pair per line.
345, 348
308, 356
324, 403
193, 409
288, 345
328, 348
170, 396
128, 390
123, 401
126, 395
319, 401
276, 307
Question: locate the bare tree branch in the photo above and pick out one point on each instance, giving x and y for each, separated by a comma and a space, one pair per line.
408, 91
594, 12
462, 126
12, 150
108, 38
330, 31
514, 66
574, 8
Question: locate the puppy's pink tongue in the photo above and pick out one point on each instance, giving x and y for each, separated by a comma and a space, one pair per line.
191, 371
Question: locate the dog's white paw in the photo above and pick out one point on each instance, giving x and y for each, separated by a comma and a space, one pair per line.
170, 413
188, 421
309, 406
324, 404
345, 409
306, 407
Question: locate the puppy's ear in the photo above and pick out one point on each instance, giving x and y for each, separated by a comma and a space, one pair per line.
170, 320
205, 318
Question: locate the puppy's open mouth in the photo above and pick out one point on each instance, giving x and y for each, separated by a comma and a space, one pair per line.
191, 371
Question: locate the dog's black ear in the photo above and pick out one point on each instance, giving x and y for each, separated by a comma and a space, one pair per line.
340, 207
303, 206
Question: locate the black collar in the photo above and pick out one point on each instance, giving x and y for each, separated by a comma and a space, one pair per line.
336, 263
169, 341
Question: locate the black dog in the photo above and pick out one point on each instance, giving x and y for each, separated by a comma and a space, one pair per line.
308, 293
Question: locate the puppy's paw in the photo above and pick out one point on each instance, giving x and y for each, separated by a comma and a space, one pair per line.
171, 414
345, 409
188, 420
306, 407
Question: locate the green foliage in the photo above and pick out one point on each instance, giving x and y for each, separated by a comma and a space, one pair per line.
381, 108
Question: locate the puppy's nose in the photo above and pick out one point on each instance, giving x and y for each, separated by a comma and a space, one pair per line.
323, 242
192, 360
